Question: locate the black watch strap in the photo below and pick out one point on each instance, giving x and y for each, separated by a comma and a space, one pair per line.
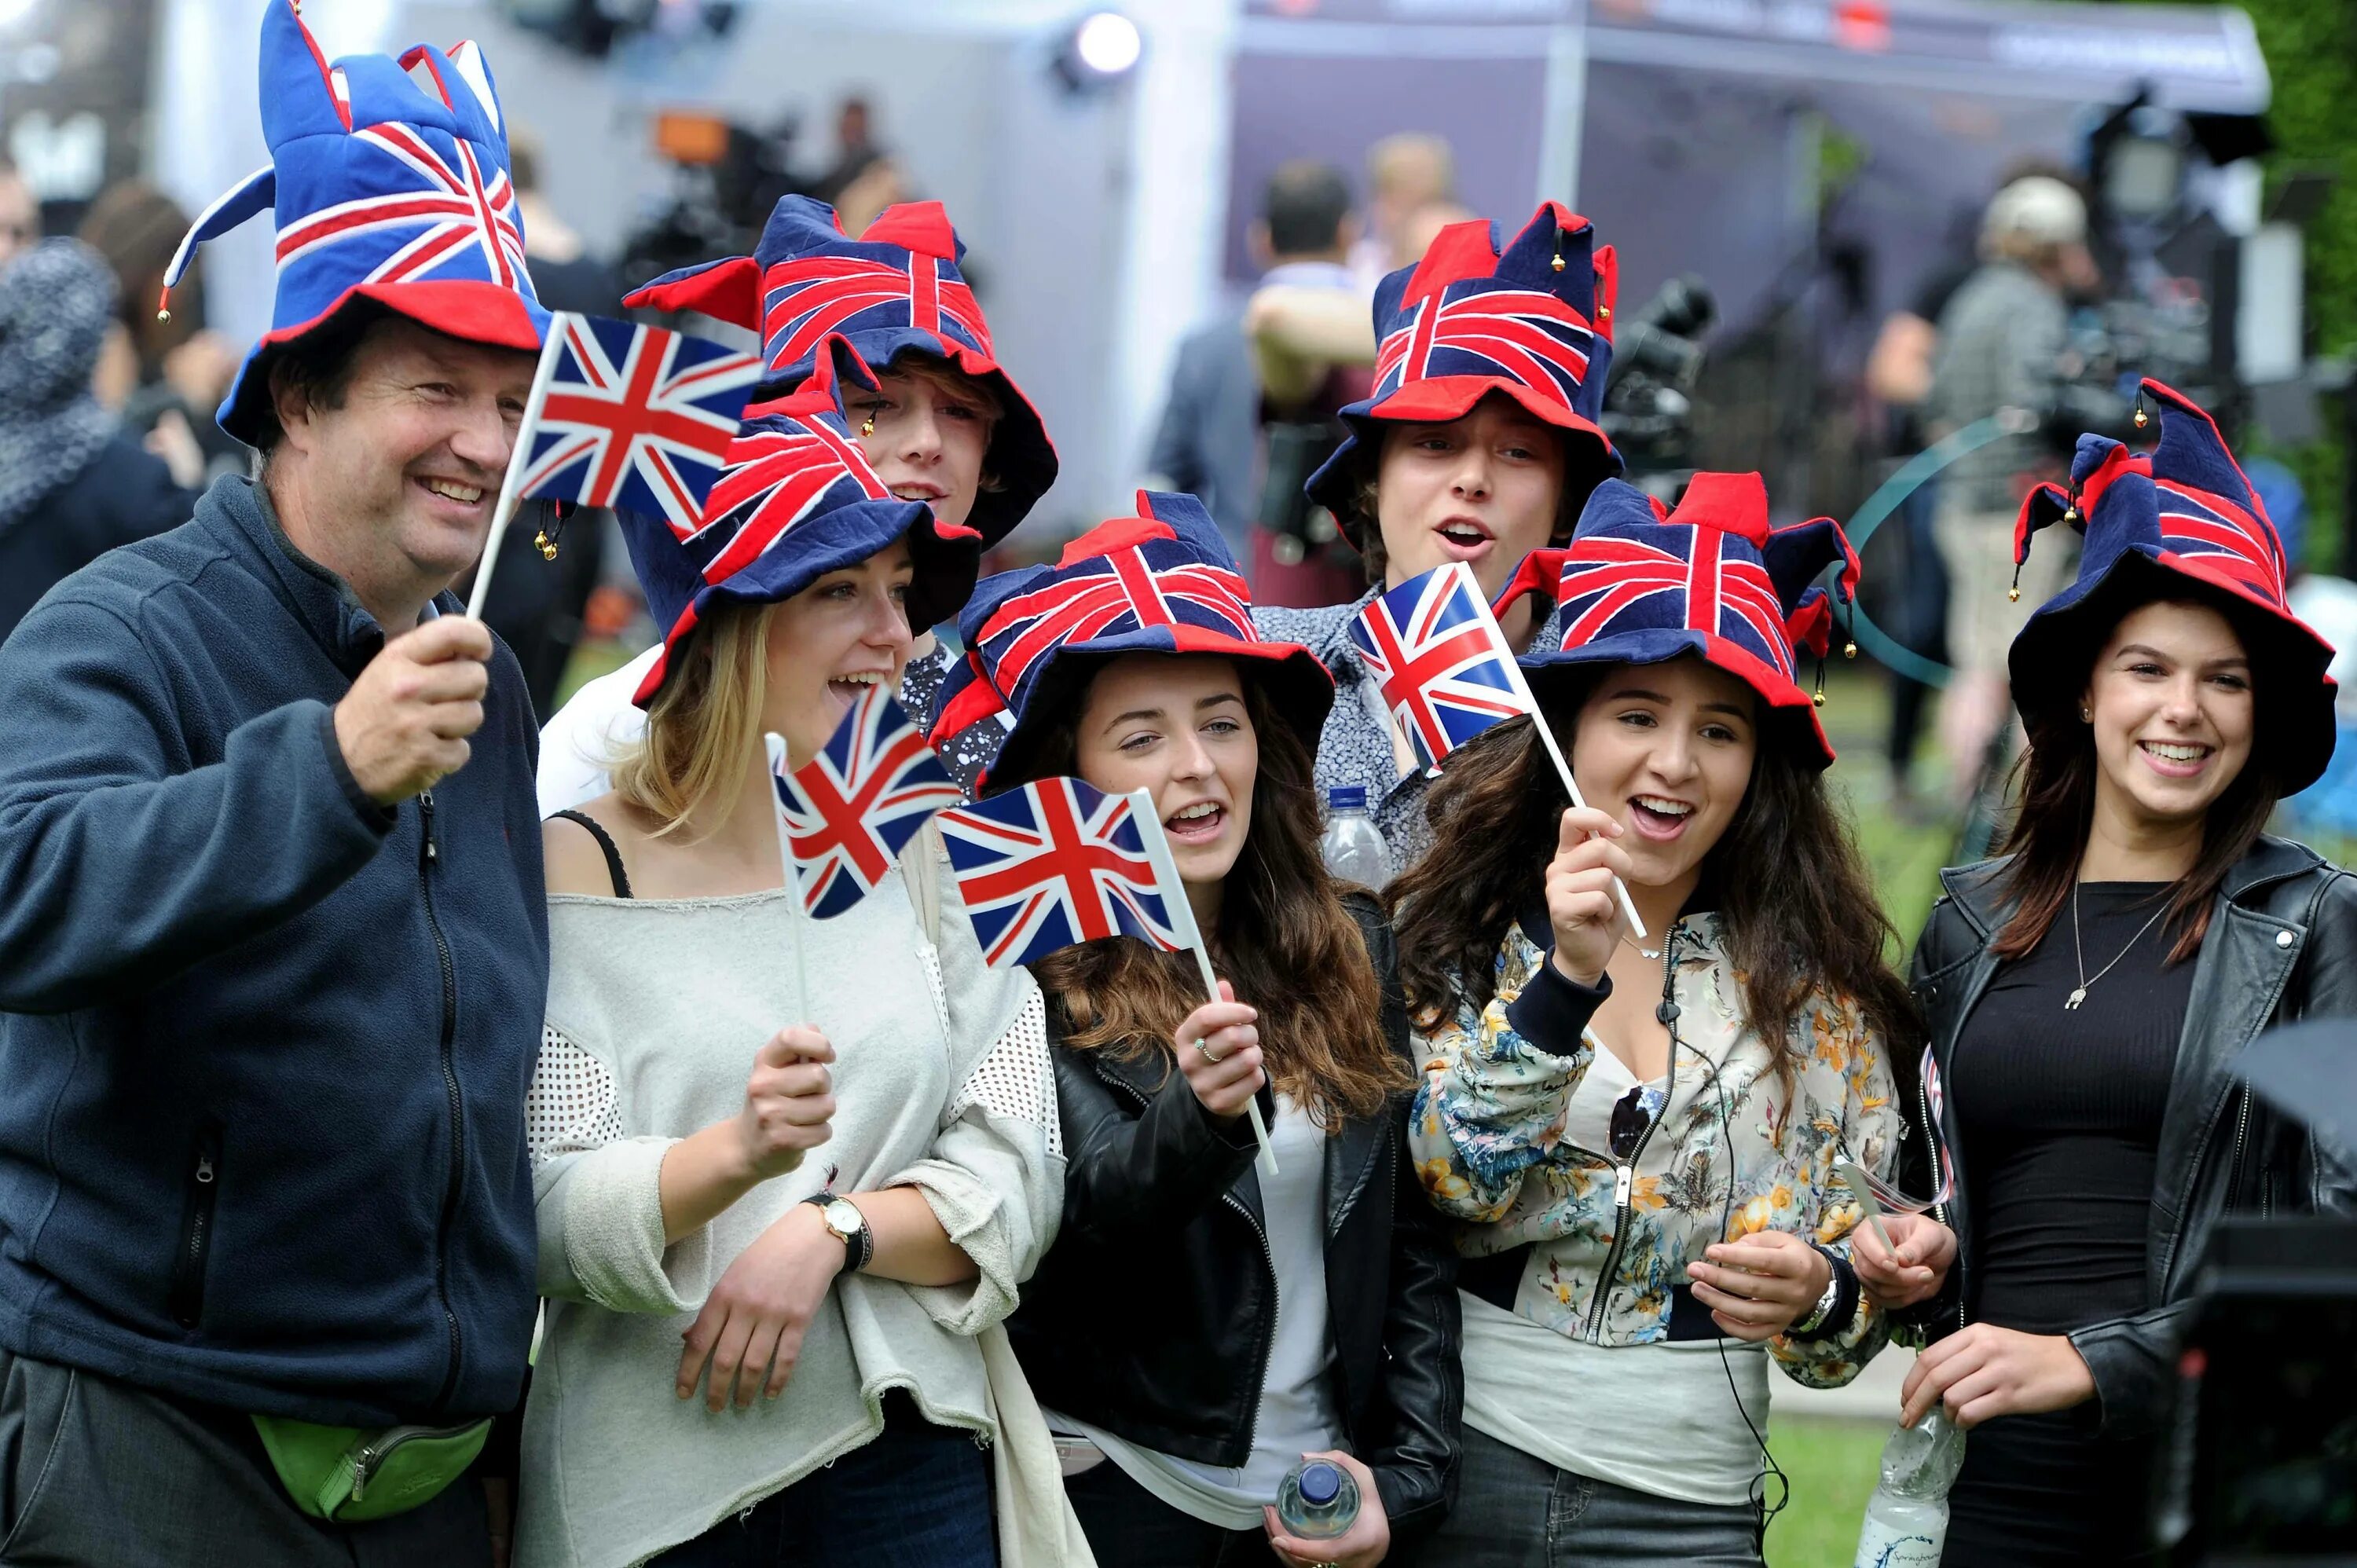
859, 1247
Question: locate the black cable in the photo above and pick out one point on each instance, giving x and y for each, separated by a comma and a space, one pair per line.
1668, 1014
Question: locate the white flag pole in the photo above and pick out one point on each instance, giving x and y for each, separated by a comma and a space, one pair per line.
519, 459
1182, 921
775, 744
1546, 734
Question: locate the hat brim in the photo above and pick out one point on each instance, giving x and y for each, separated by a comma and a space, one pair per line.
1300, 691
1790, 715
1437, 401
2066, 633
468, 309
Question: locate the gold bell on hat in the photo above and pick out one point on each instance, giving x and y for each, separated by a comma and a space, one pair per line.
547, 545
867, 426
2142, 418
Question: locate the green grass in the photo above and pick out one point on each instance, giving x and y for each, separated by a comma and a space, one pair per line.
1832, 1466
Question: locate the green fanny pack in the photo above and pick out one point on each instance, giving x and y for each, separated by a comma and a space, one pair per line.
354, 1472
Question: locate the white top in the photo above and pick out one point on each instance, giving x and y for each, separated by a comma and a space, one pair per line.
1656, 1418
942, 1083
582, 742
1587, 1119
1296, 1410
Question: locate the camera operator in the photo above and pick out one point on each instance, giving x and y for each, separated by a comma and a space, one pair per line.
2002, 340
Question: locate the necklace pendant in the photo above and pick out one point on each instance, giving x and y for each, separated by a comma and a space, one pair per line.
2077, 996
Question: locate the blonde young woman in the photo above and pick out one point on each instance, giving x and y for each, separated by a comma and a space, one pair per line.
772, 1223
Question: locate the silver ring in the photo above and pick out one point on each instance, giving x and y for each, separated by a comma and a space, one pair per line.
1207, 1053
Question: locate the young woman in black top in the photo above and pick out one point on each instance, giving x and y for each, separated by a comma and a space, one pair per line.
1201, 1324
2089, 990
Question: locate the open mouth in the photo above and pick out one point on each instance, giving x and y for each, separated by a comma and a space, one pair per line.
453, 491
1465, 538
1659, 817
918, 491
848, 689
1197, 823
2175, 759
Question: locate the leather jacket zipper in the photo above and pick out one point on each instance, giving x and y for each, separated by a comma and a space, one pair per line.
429, 855
2234, 1171
1624, 1174
186, 1294
1940, 1210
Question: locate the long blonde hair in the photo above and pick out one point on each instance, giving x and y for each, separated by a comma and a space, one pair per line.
704, 721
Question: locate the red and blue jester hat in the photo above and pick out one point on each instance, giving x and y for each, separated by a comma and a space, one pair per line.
1161, 582
388, 181
895, 290
1643, 584
796, 500
1532, 320
2183, 518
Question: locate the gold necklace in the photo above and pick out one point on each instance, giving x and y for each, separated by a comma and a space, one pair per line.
2077, 946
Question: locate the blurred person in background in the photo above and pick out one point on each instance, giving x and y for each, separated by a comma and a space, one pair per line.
1212, 442
855, 150
20, 213
1404, 173
74, 483
1423, 226
2001, 345
163, 371
537, 601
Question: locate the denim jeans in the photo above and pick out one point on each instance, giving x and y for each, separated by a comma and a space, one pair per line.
1514, 1511
917, 1496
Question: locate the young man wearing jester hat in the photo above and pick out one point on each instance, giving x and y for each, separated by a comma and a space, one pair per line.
272, 940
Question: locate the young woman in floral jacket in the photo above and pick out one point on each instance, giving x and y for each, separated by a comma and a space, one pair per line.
1637, 1134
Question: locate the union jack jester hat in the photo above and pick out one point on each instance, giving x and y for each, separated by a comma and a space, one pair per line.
2181, 520
1641, 584
1161, 582
1532, 321
796, 500
893, 291
389, 183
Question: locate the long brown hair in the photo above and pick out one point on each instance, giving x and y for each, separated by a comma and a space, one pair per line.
1799, 910
705, 724
1285, 941
2054, 781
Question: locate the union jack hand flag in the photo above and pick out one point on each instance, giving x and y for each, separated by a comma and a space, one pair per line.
806, 298
1151, 579
635, 417
1446, 670
2226, 538
1676, 577
1053, 864
852, 809
1475, 327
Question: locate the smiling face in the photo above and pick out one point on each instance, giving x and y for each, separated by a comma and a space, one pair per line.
2171, 710
393, 487
1175, 724
931, 431
1668, 749
1485, 490
845, 632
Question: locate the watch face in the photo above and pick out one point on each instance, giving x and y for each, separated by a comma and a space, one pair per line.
844, 1218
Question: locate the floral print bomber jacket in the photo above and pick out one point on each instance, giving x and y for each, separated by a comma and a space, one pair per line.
1487, 1135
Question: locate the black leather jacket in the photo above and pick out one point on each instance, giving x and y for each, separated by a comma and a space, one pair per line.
2282, 946
1153, 1313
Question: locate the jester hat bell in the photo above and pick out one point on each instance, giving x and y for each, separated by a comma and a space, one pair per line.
795, 499
1532, 320
2182, 520
388, 182
1161, 582
1641, 584
895, 290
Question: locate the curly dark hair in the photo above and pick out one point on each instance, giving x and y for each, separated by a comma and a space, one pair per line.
1800, 913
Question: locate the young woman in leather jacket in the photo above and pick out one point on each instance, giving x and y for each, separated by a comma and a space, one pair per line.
2089, 990
1202, 1325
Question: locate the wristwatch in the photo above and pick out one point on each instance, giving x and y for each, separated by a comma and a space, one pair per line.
1825, 1303
847, 1225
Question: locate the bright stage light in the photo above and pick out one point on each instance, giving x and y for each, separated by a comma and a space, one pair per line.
1107, 43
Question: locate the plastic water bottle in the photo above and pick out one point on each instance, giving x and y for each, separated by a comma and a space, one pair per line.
1907, 1518
1317, 1500
1353, 850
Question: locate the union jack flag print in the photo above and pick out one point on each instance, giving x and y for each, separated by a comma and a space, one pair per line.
447, 215
1148, 579
635, 417
854, 807
1475, 327
2227, 540
779, 472
806, 298
1677, 577
1053, 864
1446, 670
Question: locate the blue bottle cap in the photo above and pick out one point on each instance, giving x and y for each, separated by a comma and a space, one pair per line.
1346, 797
1320, 1483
